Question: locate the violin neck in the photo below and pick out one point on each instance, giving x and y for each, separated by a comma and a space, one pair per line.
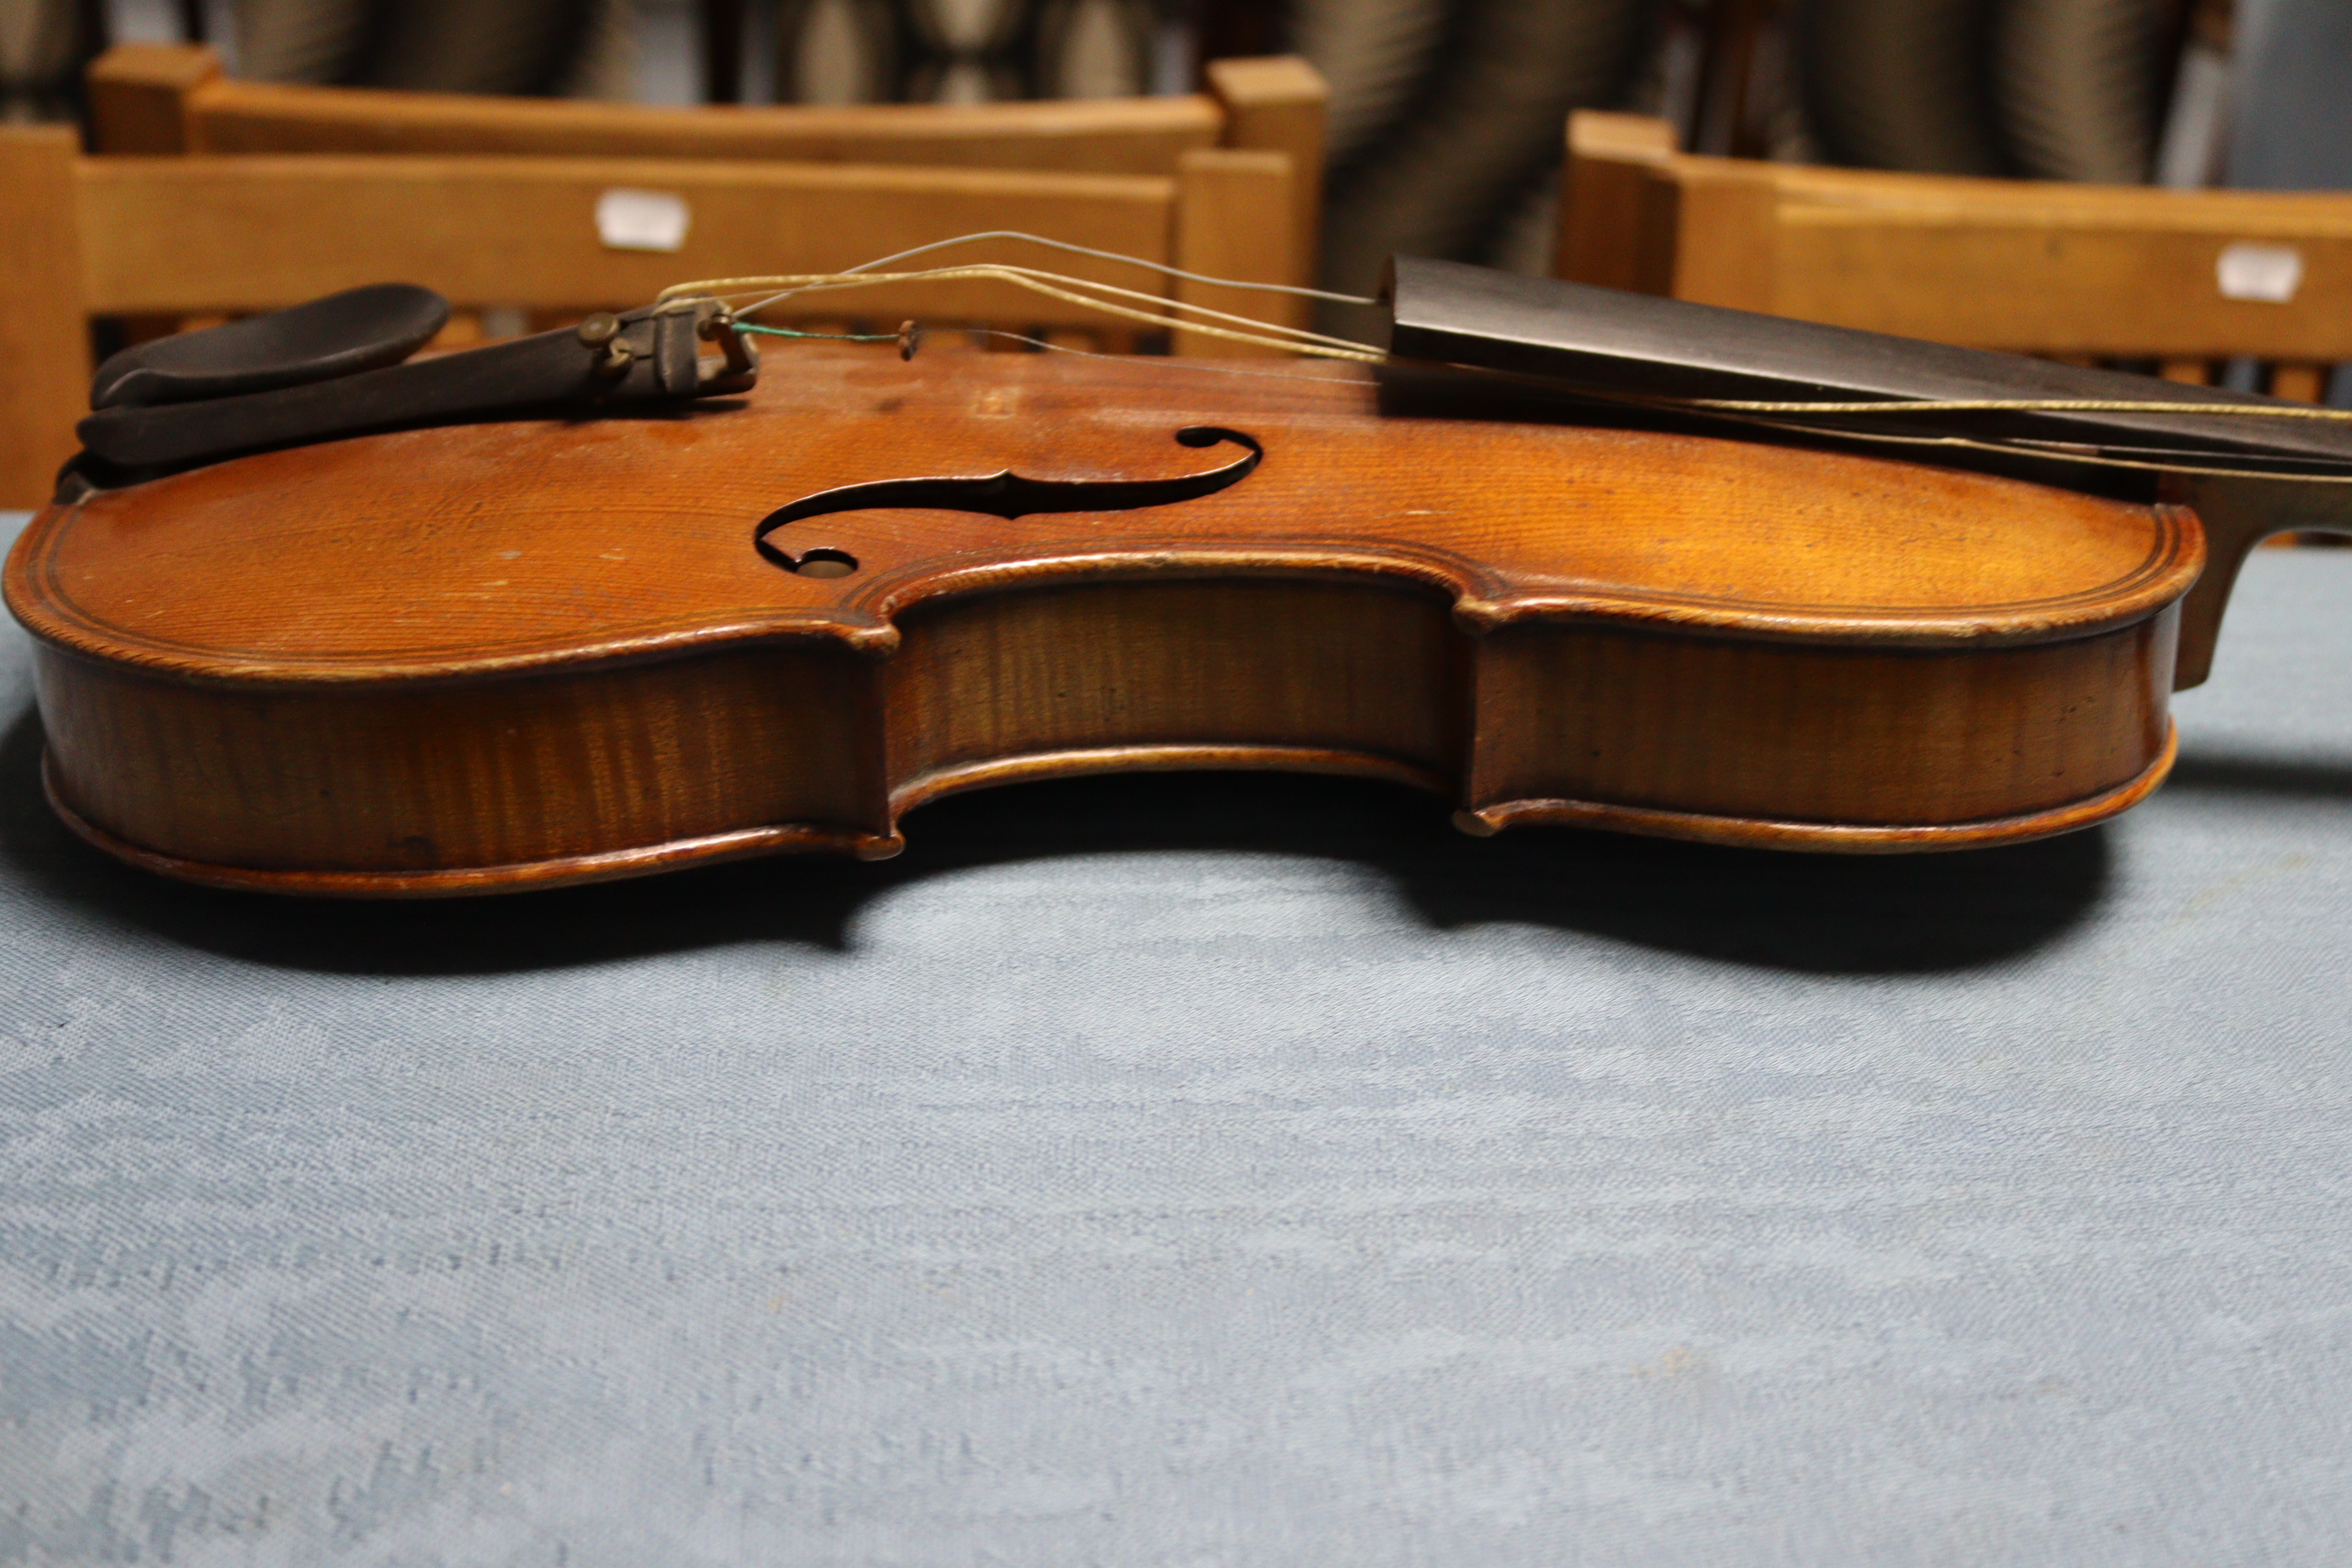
1614, 344
1600, 339
2240, 513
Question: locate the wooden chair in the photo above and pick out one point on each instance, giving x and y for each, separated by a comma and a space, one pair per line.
102, 235
2177, 279
154, 98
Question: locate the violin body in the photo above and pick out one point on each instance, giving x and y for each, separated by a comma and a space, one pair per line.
504, 655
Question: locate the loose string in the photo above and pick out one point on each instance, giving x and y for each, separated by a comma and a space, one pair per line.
1210, 367
836, 337
2032, 449
2032, 405
1755, 412
901, 337
1087, 294
1071, 291
1160, 267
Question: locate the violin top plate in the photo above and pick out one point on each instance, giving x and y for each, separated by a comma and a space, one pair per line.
496, 546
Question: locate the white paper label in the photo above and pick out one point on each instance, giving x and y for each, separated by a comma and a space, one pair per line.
642, 220
2270, 272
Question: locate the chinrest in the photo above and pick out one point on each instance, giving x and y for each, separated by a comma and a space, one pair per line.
357, 329
341, 365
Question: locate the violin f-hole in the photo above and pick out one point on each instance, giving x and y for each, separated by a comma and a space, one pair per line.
1004, 494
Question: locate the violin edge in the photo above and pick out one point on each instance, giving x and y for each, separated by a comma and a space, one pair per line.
818, 838
522, 876
1842, 838
867, 623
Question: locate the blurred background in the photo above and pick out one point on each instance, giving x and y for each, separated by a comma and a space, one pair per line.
1434, 127
1443, 136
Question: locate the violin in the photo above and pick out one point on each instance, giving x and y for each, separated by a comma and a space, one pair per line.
405, 627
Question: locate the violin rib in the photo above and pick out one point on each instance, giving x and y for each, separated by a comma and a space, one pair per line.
502, 656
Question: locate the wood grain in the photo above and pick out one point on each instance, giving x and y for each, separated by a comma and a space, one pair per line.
510, 545
491, 774
141, 96
168, 238
1915, 737
1710, 232
1280, 103
1232, 220
45, 361
221, 115
1604, 197
2031, 266
1354, 669
499, 655
176, 234
2299, 383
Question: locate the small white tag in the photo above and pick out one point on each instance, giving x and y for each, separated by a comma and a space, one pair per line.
2272, 272
640, 220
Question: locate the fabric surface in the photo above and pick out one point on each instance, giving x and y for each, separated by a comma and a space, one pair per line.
1213, 1170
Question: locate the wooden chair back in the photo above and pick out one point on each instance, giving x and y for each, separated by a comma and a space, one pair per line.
115, 236
156, 99
2088, 273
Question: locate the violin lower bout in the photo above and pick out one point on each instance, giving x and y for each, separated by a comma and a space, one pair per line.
620, 767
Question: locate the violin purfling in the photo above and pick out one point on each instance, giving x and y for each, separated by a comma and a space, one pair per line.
579, 641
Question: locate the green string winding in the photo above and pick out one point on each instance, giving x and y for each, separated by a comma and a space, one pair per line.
838, 337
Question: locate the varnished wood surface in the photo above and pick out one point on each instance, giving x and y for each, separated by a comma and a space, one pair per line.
2069, 271
480, 546
44, 334
502, 654
149, 98
1230, 207
175, 236
1280, 103
2029, 266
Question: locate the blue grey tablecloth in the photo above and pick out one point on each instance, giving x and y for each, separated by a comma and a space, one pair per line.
1193, 1170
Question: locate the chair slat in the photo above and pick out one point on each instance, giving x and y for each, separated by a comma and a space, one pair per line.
176, 234
135, 88
2041, 266
2299, 383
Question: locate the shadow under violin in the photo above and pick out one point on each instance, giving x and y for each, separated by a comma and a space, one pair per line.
1804, 912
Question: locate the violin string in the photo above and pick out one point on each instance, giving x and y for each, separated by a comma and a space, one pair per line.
1155, 361
2032, 449
2026, 405
1261, 333
1151, 362
1721, 405
1295, 340
1160, 267
836, 337
1725, 409
1729, 405
1030, 278
1718, 408
1211, 367
1731, 408
2272, 461
792, 285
